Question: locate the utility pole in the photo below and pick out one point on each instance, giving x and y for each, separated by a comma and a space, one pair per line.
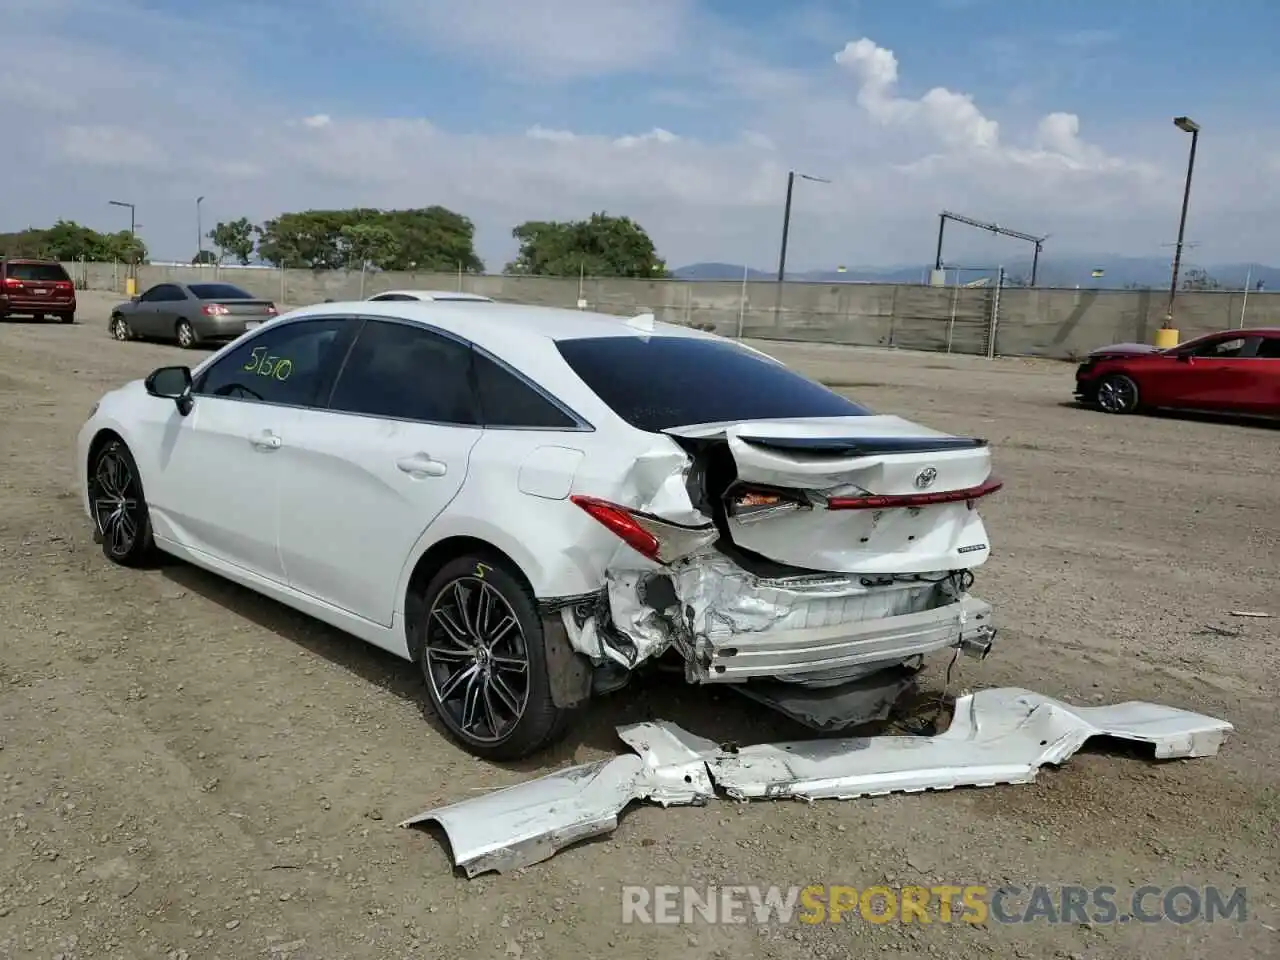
199, 234
1186, 125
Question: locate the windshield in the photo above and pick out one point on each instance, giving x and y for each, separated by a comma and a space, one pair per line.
219, 291
655, 383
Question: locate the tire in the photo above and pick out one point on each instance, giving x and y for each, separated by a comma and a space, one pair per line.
486, 673
38, 317
67, 317
186, 335
120, 329
1118, 393
121, 520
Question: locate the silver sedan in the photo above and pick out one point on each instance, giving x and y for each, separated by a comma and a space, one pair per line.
189, 314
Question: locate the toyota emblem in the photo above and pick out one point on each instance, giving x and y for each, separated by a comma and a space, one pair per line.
925, 478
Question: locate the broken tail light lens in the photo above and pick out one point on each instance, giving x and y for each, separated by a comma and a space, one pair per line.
271, 310
214, 310
654, 539
968, 496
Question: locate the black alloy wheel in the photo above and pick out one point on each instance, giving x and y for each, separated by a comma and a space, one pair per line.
482, 654
119, 507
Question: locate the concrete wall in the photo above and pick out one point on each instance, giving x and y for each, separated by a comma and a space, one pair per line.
1062, 324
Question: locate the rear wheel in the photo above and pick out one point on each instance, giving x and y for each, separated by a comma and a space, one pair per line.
67, 317
483, 656
1118, 393
37, 317
121, 520
186, 334
120, 329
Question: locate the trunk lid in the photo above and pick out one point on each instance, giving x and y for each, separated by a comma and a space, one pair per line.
870, 494
249, 308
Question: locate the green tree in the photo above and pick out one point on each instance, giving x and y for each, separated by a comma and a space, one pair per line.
431, 239
67, 240
234, 238
369, 243
602, 246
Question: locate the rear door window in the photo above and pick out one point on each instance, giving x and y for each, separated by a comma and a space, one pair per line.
1269, 348
37, 272
655, 383
507, 400
404, 372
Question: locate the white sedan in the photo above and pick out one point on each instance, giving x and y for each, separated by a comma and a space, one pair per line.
532, 503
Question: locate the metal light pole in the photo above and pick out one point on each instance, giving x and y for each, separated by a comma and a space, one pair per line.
131, 281
133, 220
199, 234
1186, 125
786, 218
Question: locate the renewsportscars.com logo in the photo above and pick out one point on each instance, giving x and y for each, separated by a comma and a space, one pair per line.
944, 903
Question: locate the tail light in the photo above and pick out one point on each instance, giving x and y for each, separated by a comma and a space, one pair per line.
214, 310
969, 496
271, 310
654, 539
12, 283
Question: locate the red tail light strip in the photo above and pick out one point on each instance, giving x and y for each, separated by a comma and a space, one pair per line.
621, 523
888, 502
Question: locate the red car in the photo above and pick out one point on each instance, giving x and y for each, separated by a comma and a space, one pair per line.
34, 288
1234, 371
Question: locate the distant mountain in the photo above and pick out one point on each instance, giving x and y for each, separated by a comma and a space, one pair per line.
1117, 273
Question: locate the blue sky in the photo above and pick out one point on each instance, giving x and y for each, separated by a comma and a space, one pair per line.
1048, 117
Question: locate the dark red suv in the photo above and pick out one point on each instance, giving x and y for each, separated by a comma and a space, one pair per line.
34, 288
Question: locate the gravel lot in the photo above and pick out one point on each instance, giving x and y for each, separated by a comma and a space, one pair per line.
187, 770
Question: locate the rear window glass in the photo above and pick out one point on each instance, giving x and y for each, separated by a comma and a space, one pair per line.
39, 272
659, 382
219, 291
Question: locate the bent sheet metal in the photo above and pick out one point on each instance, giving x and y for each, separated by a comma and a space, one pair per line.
997, 736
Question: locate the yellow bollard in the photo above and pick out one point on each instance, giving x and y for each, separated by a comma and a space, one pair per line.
131, 286
1166, 338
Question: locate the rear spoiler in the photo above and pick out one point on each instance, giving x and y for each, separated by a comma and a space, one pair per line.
865, 446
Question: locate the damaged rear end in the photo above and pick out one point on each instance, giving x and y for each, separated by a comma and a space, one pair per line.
811, 562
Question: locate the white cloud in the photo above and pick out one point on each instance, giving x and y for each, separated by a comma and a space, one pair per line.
112, 125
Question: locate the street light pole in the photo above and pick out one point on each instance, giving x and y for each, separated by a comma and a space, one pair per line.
786, 219
1186, 125
199, 234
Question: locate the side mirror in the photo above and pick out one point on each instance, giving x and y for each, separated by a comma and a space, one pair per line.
172, 383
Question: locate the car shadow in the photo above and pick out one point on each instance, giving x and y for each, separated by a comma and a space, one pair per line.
1192, 416
657, 693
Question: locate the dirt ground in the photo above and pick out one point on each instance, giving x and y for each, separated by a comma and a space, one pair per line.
187, 770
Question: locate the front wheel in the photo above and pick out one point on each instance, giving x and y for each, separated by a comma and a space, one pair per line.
186, 334
121, 520
483, 656
1118, 393
120, 329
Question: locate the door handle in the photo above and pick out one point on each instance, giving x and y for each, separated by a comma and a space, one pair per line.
421, 465
266, 440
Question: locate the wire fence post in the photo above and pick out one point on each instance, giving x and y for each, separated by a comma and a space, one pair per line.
995, 315
951, 324
742, 303
283, 291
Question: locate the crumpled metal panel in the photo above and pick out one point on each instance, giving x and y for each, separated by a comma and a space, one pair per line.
997, 736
